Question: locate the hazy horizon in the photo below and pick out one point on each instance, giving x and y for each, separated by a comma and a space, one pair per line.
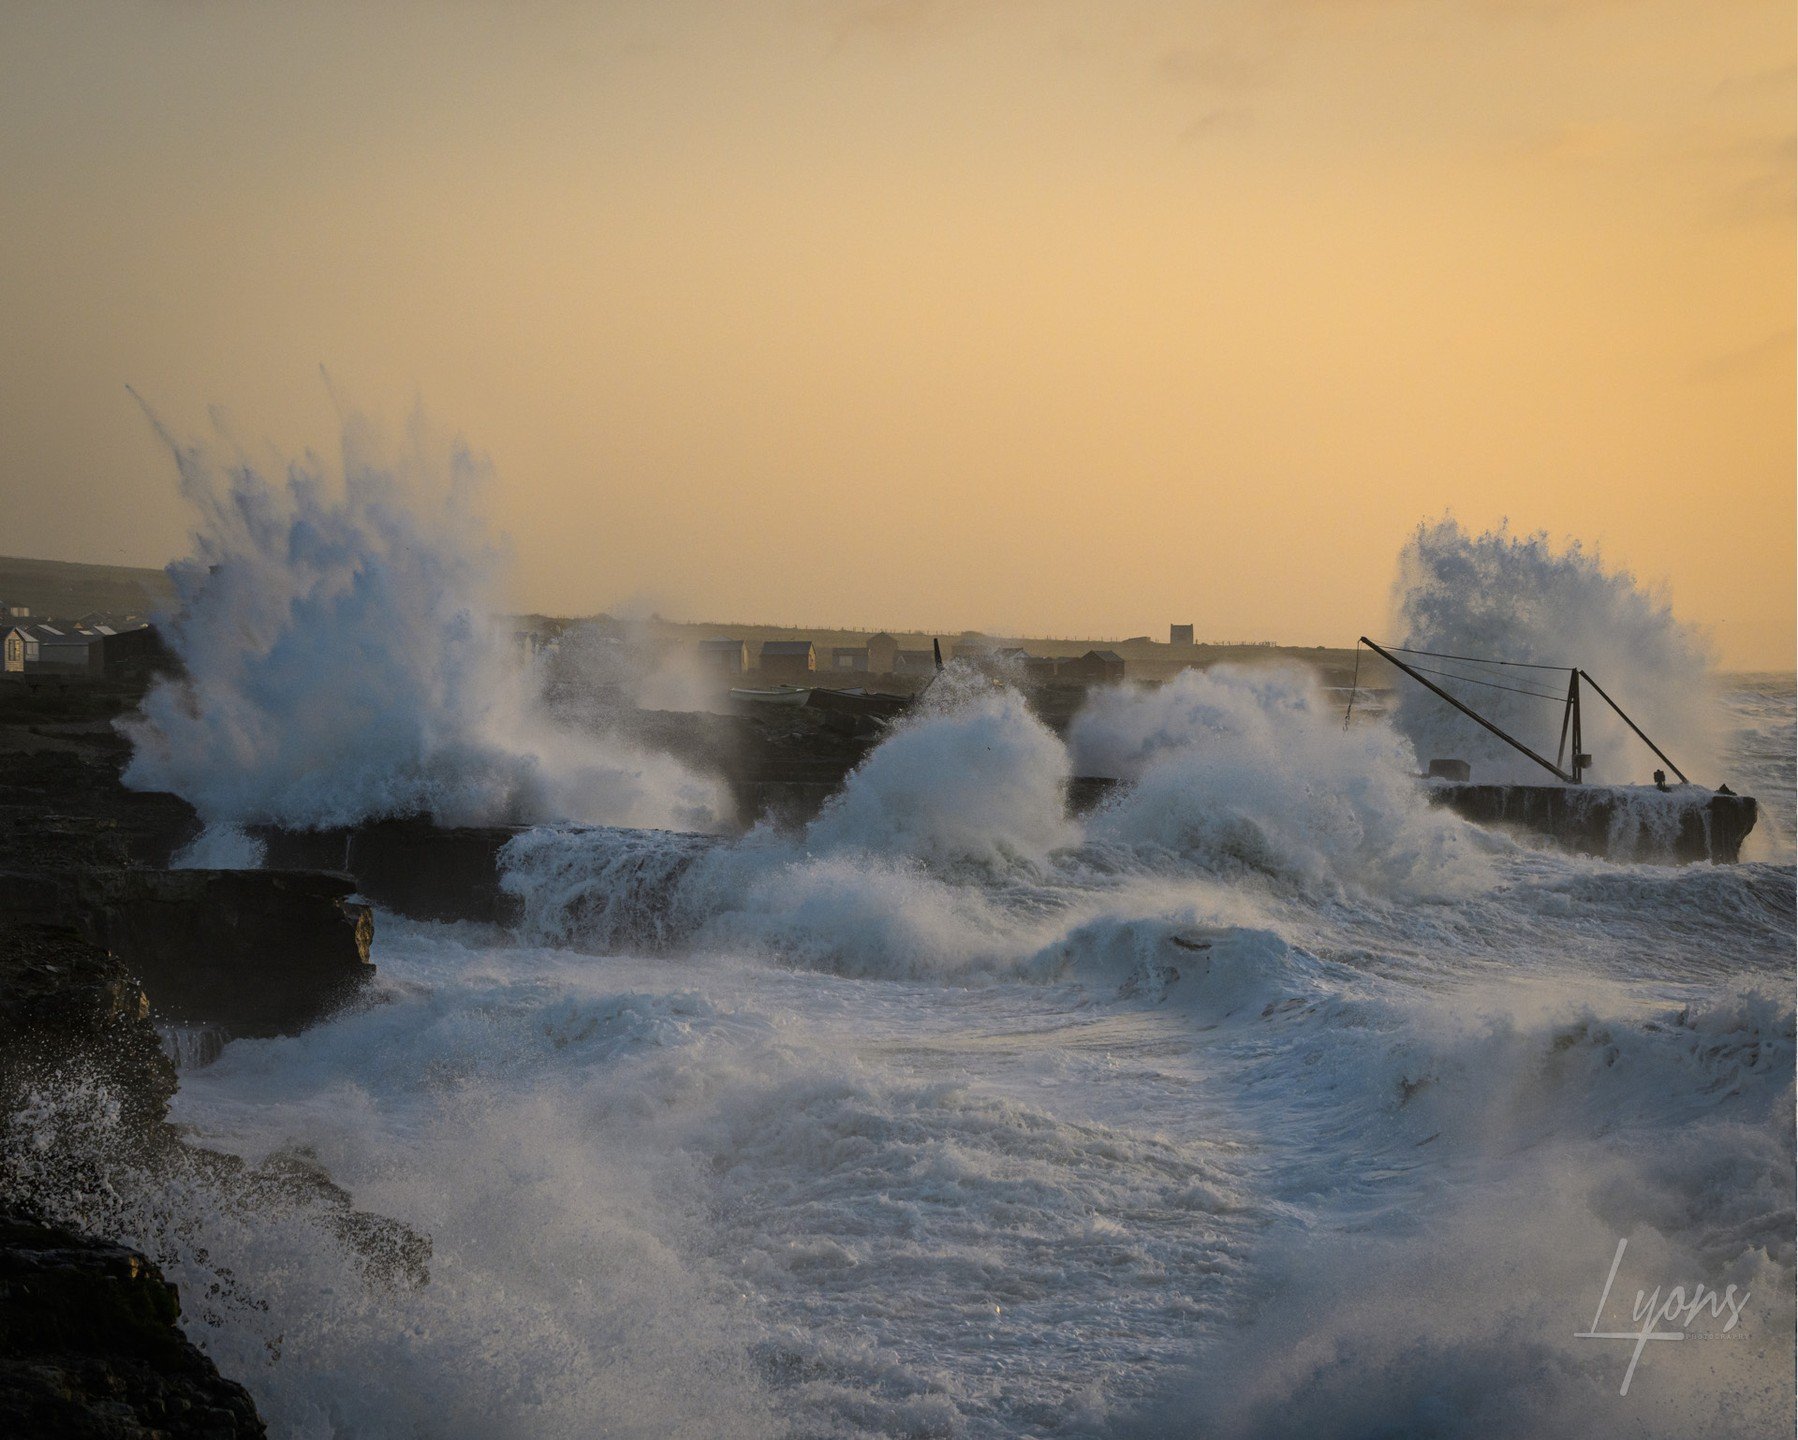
1047, 319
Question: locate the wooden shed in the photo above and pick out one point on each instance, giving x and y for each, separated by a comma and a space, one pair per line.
724, 656
788, 661
1096, 667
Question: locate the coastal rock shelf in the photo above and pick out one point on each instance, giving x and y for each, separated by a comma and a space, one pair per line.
256, 953
412, 867
90, 1349
89, 1344
67, 1003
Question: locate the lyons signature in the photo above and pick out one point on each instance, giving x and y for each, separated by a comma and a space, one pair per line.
1652, 1310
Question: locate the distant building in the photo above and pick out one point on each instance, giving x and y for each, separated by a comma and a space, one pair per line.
1179, 635
16, 642
788, 661
95, 645
1038, 669
724, 656
1096, 667
914, 662
883, 651
849, 657
133, 645
62, 649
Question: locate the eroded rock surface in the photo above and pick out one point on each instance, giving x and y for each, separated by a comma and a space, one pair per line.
255, 952
90, 1348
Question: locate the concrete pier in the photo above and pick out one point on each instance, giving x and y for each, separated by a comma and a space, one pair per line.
1683, 825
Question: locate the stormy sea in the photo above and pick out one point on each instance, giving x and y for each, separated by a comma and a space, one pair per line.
1264, 1099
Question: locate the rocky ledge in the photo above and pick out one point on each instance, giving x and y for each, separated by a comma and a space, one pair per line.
90, 1348
89, 1344
99, 940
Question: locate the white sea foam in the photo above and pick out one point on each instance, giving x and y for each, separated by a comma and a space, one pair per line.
924, 863
344, 660
982, 784
222, 845
1249, 768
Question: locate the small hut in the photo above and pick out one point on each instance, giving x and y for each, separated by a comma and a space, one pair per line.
788, 661
883, 652
724, 656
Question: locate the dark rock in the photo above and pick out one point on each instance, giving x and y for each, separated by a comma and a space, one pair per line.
62, 803
433, 872
65, 1002
391, 1254
785, 804
1088, 792
413, 867
256, 952
90, 1350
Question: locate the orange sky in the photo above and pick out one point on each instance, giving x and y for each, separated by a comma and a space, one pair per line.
1045, 317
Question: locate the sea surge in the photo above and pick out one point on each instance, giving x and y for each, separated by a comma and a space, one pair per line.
1265, 1099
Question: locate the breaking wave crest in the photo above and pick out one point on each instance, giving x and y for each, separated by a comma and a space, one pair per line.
951, 850
1249, 769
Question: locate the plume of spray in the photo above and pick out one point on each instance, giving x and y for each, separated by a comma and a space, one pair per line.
904, 872
1516, 597
626, 662
343, 659
1248, 769
973, 780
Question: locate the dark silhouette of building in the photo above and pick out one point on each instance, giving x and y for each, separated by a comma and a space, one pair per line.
788, 661
724, 656
883, 652
1096, 667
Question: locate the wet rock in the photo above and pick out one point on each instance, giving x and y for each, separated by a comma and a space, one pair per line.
254, 952
433, 872
90, 1349
412, 867
67, 1005
391, 1254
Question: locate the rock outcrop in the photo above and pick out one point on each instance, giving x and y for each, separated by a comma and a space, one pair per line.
252, 952
97, 939
90, 1349
412, 866
89, 1345
67, 1005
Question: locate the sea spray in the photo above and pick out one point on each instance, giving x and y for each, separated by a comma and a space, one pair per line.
1249, 769
1503, 596
624, 662
342, 659
927, 862
222, 845
982, 784
931, 861
600, 888
1568, 1125
949, 851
